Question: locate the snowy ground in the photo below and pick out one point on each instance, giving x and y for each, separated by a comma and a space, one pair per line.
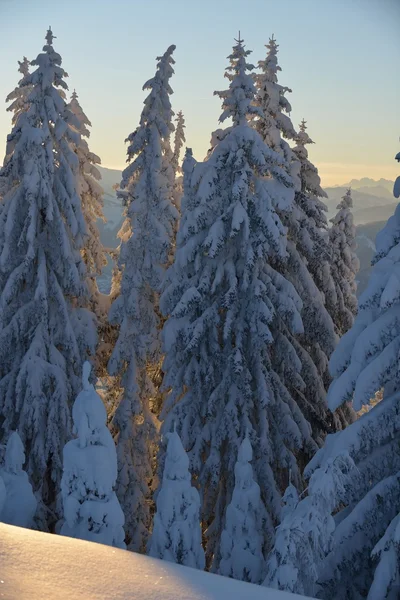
37, 566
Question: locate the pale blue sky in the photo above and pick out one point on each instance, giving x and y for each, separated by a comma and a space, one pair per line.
340, 57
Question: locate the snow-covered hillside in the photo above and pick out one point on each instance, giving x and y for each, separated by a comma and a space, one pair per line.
39, 565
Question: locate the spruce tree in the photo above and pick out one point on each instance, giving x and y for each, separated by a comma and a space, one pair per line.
222, 295
305, 534
310, 198
19, 104
176, 533
20, 503
314, 245
45, 331
273, 123
91, 509
91, 194
362, 561
312, 234
147, 241
344, 265
93, 252
179, 140
19, 96
305, 242
241, 540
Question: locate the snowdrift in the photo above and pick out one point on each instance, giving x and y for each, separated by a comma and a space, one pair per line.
37, 565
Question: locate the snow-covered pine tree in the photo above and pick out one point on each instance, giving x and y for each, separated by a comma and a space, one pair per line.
241, 540
317, 342
273, 122
386, 583
313, 244
365, 361
20, 503
19, 104
19, 96
45, 334
304, 537
91, 194
344, 264
314, 240
93, 252
176, 529
147, 238
221, 296
91, 508
179, 140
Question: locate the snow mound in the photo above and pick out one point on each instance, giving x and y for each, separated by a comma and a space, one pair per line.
37, 565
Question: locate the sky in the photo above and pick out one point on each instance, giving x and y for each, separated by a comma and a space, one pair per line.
340, 58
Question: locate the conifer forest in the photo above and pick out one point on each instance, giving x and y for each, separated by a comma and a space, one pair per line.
231, 405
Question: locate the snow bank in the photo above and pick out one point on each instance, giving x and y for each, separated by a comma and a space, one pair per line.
37, 565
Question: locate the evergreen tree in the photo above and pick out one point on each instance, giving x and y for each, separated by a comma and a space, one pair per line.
365, 361
314, 239
304, 220
91, 194
344, 265
305, 534
179, 140
386, 583
91, 509
45, 333
20, 95
242, 541
222, 296
273, 122
176, 531
19, 104
20, 504
147, 240
93, 251
313, 242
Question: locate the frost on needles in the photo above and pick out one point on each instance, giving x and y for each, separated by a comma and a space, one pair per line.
147, 237
223, 296
45, 331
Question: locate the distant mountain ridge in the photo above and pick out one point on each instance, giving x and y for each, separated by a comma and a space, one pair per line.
367, 182
367, 199
377, 190
373, 205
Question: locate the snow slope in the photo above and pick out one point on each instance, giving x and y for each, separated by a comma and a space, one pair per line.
37, 566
